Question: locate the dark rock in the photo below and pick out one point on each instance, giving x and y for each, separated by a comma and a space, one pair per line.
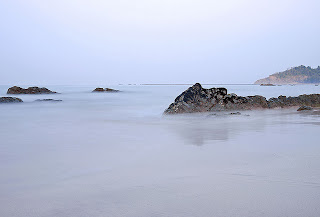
100, 89
30, 90
9, 99
235, 113
285, 102
267, 85
48, 100
198, 99
305, 108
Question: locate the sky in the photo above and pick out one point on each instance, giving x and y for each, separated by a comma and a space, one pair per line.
155, 41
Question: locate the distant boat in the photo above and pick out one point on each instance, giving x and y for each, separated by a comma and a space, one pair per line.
316, 85
267, 85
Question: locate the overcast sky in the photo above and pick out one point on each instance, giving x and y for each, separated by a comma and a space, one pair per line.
155, 41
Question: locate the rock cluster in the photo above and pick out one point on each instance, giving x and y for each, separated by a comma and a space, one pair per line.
100, 89
30, 90
9, 99
199, 99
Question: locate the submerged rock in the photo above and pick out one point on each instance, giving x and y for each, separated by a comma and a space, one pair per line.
305, 108
267, 84
100, 89
235, 113
199, 99
30, 90
9, 100
48, 100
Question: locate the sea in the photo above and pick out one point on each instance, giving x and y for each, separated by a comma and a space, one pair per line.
117, 155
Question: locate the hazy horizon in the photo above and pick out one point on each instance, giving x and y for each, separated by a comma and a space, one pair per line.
121, 42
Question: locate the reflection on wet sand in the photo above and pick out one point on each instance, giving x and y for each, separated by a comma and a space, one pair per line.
201, 129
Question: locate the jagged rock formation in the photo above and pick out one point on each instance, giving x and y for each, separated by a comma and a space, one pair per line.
100, 89
295, 75
30, 90
199, 99
9, 99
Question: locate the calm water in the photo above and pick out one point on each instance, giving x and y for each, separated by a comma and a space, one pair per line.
114, 154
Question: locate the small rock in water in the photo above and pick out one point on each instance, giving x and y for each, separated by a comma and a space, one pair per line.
9, 99
100, 89
235, 113
30, 90
48, 100
213, 114
267, 85
305, 108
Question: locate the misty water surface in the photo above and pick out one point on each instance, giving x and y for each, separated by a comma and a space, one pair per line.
115, 154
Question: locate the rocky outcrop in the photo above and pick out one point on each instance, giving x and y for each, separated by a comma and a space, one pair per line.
30, 90
199, 99
305, 108
100, 89
312, 100
9, 100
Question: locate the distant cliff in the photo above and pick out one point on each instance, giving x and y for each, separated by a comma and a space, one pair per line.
296, 75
